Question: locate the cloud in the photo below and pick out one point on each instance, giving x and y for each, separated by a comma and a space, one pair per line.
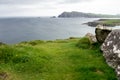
74, 1
22, 1
39, 1
55, 7
26, 7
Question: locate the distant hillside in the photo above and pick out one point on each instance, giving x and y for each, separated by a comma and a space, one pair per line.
74, 14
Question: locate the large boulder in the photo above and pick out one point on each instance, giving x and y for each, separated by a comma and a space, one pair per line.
101, 33
111, 50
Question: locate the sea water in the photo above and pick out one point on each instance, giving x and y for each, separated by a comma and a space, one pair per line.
14, 30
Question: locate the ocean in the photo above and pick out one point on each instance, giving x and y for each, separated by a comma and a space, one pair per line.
15, 30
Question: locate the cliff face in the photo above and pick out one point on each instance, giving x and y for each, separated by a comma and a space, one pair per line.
86, 15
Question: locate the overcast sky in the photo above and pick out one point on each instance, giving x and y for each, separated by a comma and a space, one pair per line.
55, 7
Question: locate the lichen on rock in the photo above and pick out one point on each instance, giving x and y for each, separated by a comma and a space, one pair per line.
111, 50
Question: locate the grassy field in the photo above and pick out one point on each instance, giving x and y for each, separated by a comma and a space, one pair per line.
105, 22
110, 22
70, 59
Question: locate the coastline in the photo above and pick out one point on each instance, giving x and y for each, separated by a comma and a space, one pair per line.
104, 22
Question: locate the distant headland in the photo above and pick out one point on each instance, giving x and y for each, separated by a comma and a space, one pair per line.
75, 14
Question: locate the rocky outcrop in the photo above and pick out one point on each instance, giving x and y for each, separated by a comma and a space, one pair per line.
92, 24
111, 50
101, 33
91, 38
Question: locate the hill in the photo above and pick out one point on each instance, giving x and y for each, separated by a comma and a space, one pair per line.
75, 14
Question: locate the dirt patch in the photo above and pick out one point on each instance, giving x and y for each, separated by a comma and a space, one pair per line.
3, 75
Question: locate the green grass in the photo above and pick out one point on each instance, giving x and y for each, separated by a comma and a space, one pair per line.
70, 59
110, 22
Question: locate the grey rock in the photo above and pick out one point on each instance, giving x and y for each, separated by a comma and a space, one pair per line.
111, 50
101, 33
93, 24
91, 38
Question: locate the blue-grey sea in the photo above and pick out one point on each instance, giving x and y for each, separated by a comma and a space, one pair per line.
14, 30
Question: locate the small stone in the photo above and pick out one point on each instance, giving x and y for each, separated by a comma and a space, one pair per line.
91, 38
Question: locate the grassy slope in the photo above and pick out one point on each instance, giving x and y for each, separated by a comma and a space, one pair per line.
105, 22
111, 22
54, 60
